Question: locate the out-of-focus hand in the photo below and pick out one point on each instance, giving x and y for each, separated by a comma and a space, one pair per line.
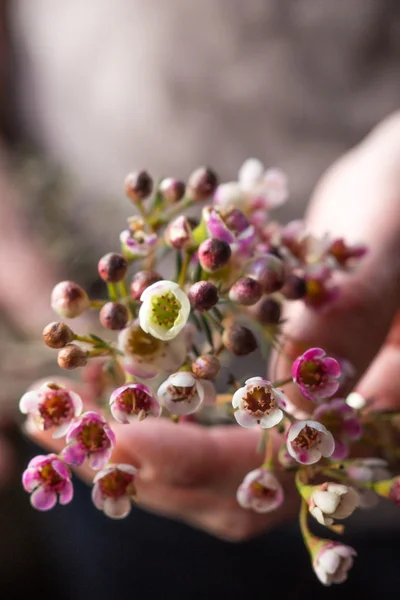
191, 473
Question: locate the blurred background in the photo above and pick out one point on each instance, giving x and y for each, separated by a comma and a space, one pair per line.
92, 90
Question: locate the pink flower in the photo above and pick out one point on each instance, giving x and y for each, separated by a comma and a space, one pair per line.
316, 374
307, 441
260, 491
182, 393
48, 478
231, 226
114, 490
258, 403
51, 406
343, 254
320, 291
137, 243
332, 562
133, 399
89, 437
146, 356
342, 421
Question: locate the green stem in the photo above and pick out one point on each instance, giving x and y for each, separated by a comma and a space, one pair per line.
121, 287
112, 292
97, 303
84, 338
281, 382
184, 268
269, 452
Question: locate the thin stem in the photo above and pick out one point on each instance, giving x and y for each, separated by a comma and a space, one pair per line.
282, 382
112, 292
184, 268
121, 287
97, 303
85, 339
269, 453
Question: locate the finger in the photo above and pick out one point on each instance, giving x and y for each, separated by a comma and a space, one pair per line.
359, 199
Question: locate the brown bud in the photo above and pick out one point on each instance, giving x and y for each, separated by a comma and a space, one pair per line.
203, 295
295, 287
267, 311
138, 185
214, 254
202, 184
71, 357
239, 340
172, 190
206, 366
57, 334
114, 315
112, 267
246, 291
178, 233
69, 300
269, 271
141, 281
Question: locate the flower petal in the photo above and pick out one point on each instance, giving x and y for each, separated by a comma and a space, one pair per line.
42, 499
66, 493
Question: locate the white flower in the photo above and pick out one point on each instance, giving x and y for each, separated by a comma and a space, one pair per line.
182, 393
260, 491
332, 562
333, 501
164, 311
114, 490
368, 470
258, 402
308, 440
146, 357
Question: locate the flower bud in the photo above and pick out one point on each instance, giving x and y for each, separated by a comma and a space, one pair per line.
172, 190
142, 280
178, 234
114, 315
202, 184
71, 357
246, 291
112, 267
138, 185
235, 220
206, 366
239, 340
203, 295
57, 334
295, 287
69, 300
268, 270
267, 311
214, 254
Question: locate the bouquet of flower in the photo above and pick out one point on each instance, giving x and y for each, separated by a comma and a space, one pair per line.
175, 334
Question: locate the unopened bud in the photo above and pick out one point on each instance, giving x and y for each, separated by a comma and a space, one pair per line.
172, 190
239, 340
202, 184
214, 254
206, 366
235, 220
178, 234
69, 300
112, 267
267, 311
246, 291
57, 334
71, 357
295, 287
138, 185
142, 280
114, 315
203, 295
269, 271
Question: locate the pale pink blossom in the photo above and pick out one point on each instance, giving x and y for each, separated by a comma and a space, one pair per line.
51, 406
308, 440
258, 403
260, 491
368, 471
316, 374
332, 562
342, 421
48, 479
133, 400
182, 393
89, 437
331, 501
114, 490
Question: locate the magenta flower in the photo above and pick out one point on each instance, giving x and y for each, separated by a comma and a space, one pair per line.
320, 290
332, 561
51, 406
342, 421
89, 437
136, 243
258, 403
47, 478
230, 226
114, 490
316, 374
307, 441
133, 399
260, 491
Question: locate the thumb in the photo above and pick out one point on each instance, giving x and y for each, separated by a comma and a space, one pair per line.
357, 199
